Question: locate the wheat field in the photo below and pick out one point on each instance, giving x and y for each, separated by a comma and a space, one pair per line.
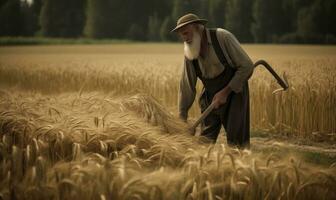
100, 122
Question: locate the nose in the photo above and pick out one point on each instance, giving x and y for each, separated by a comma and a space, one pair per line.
187, 39
185, 36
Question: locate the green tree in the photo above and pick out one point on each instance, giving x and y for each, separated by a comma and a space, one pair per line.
98, 21
178, 9
292, 8
312, 23
136, 32
330, 17
239, 19
29, 22
154, 24
2, 2
167, 25
62, 18
36, 11
115, 19
262, 21
11, 18
308, 19
269, 22
216, 13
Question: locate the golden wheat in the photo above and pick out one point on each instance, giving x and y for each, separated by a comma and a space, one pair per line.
129, 158
311, 76
99, 126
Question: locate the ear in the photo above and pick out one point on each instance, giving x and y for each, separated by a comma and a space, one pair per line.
200, 27
197, 28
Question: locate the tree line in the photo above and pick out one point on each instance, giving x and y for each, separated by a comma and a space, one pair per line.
259, 21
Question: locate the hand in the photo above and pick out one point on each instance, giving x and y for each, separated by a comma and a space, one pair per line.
221, 97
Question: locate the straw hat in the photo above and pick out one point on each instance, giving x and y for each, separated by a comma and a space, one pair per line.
188, 19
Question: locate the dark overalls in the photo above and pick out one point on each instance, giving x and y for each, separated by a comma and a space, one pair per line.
234, 115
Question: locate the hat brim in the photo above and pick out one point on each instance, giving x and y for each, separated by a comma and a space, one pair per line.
199, 21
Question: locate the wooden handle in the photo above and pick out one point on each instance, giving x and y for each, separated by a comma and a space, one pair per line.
201, 118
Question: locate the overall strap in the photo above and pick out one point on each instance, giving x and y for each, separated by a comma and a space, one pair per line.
217, 47
219, 53
215, 84
197, 68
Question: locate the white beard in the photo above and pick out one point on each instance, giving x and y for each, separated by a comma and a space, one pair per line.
192, 50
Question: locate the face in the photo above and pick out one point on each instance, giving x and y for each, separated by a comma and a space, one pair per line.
192, 41
186, 33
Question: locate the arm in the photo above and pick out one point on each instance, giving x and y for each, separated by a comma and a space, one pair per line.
221, 96
187, 90
239, 58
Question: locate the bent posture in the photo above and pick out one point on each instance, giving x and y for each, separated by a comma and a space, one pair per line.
216, 58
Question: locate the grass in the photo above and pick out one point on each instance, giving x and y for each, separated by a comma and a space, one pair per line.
315, 157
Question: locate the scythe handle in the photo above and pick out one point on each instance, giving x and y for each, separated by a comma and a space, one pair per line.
201, 118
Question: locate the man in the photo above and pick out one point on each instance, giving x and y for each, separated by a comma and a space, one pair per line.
217, 59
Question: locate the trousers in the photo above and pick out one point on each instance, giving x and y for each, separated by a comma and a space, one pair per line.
234, 116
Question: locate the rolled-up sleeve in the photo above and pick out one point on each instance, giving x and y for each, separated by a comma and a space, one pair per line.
187, 89
240, 61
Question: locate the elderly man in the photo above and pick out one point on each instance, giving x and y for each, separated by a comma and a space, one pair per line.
217, 59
